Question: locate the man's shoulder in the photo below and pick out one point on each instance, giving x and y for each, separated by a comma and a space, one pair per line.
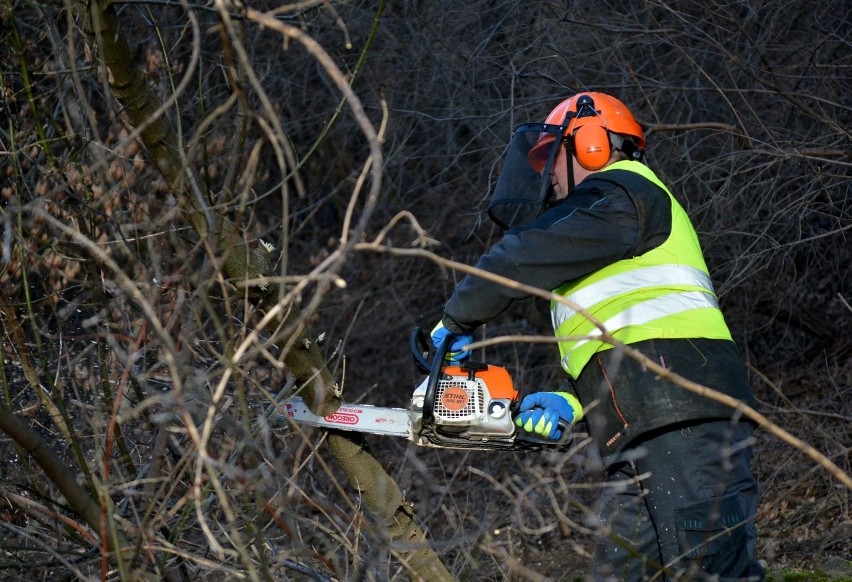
647, 196
596, 190
631, 182
652, 204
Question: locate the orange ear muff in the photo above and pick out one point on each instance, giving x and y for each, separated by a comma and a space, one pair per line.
591, 146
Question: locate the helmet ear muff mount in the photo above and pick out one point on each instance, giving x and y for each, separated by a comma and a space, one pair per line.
592, 147
598, 124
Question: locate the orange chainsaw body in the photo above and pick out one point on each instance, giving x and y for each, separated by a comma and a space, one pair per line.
496, 378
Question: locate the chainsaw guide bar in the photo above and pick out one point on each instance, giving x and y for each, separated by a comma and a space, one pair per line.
470, 405
362, 418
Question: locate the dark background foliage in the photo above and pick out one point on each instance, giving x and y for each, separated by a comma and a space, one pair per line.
746, 107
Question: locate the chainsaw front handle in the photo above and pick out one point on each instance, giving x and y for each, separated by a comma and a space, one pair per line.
420, 345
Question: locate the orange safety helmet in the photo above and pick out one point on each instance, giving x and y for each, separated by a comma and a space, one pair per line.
590, 119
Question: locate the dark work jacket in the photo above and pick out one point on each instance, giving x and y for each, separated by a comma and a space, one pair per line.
624, 401
610, 216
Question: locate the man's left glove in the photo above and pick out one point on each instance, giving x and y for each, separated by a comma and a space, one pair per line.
540, 413
454, 350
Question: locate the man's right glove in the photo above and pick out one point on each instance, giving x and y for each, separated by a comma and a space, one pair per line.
454, 350
540, 413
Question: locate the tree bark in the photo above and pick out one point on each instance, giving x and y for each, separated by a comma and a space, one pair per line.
380, 494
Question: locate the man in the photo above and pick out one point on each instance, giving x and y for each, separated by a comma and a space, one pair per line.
588, 220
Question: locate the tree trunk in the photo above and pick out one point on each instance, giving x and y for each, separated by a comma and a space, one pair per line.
380, 494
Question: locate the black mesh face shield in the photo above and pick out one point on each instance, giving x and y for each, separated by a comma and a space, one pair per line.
523, 188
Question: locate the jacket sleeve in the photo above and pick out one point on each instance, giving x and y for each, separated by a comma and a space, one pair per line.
595, 226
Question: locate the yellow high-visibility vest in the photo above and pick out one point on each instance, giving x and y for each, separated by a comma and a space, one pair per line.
665, 293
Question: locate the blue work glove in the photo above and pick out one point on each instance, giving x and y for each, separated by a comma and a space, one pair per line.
454, 351
540, 413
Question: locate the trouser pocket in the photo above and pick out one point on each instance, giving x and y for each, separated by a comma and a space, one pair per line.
712, 538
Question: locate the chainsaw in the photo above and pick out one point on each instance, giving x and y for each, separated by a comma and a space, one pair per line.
470, 405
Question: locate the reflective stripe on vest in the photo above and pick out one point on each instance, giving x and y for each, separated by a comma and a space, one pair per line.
653, 309
647, 277
665, 293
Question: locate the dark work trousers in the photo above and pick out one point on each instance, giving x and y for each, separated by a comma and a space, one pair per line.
681, 498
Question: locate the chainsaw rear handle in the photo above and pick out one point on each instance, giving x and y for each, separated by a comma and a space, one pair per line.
531, 437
